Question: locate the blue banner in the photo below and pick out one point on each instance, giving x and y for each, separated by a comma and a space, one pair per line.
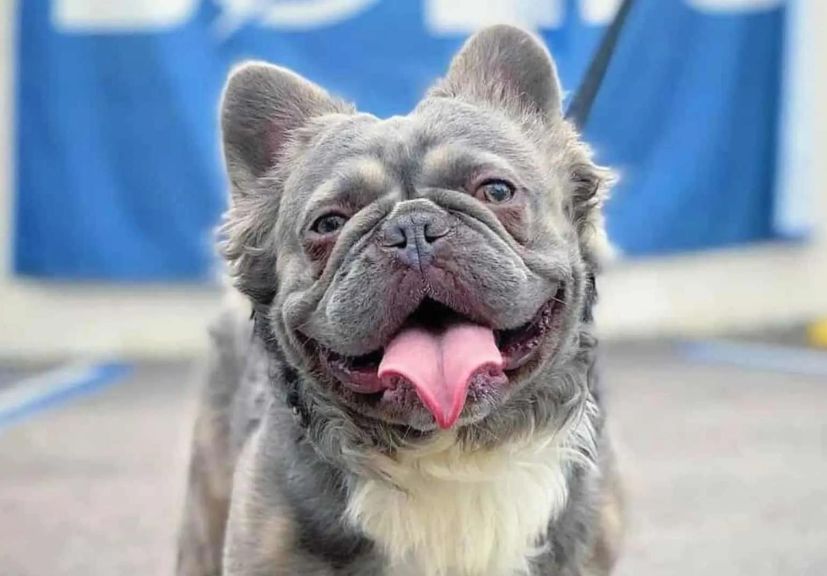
118, 168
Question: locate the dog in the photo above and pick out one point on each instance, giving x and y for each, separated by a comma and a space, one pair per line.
406, 384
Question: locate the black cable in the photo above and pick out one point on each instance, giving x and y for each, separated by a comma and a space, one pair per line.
581, 105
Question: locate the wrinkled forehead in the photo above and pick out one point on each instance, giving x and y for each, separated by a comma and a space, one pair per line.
435, 142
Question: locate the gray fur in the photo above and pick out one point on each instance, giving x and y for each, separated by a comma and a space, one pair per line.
267, 489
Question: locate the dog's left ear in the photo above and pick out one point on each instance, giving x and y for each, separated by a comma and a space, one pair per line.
263, 110
506, 67
262, 106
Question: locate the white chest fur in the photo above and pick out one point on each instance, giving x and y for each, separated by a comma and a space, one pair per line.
446, 512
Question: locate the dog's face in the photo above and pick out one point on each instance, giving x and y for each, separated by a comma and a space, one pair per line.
420, 270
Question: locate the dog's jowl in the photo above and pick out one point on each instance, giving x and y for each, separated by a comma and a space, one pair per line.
403, 382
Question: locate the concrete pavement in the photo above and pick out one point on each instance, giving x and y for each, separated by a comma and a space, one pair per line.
726, 471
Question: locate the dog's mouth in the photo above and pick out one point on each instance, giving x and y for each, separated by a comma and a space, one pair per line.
444, 358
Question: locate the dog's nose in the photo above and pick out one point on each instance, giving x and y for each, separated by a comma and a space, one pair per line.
413, 235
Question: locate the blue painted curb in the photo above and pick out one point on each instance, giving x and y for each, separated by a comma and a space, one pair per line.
756, 356
65, 388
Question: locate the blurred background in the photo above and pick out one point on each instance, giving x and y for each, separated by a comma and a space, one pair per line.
714, 112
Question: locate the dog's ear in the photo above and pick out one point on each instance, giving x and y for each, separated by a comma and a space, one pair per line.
506, 67
263, 109
262, 106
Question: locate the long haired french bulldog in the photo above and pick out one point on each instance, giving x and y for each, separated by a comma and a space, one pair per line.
412, 390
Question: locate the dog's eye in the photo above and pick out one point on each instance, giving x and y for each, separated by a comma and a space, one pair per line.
328, 224
496, 191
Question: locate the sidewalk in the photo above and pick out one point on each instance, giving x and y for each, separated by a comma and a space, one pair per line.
726, 470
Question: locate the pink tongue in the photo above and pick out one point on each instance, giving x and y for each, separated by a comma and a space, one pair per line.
440, 365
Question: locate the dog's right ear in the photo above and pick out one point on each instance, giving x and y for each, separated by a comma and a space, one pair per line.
261, 107
262, 110
505, 67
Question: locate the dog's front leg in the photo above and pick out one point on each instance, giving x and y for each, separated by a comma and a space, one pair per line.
261, 537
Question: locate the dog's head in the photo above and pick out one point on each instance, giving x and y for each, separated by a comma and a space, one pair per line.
421, 271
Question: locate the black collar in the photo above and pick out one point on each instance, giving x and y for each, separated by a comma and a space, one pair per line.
281, 371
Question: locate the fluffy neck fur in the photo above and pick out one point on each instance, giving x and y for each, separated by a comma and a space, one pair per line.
465, 506
441, 510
